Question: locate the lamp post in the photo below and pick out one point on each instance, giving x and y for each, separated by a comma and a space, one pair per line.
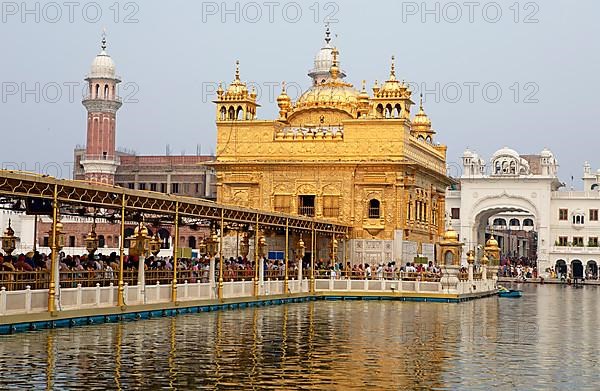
212, 248
202, 246
300, 252
334, 249
140, 246
286, 254
91, 241
9, 241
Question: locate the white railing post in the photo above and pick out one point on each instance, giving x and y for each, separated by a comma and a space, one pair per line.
157, 293
330, 283
27, 299
186, 289
111, 294
2, 301
79, 298
211, 276
261, 276
97, 295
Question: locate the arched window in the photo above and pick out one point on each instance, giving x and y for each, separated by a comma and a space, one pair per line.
239, 113
500, 222
397, 110
428, 139
527, 223
513, 167
106, 91
388, 111
231, 113
514, 223
223, 113
498, 169
101, 241
374, 209
192, 242
379, 110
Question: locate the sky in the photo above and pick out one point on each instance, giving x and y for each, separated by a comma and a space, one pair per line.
493, 73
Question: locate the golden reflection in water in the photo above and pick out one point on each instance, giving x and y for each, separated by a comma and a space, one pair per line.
118, 347
340, 345
50, 360
218, 349
284, 346
172, 353
254, 349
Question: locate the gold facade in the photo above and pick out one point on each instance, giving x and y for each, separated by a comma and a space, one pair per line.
336, 153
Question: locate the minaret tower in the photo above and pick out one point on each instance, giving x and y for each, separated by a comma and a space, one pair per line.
100, 161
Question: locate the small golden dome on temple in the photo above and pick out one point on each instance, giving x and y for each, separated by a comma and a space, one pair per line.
283, 100
492, 242
450, 235
237, 88
364, 95
421, 118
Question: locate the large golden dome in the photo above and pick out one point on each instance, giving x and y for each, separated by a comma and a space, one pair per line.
332, 93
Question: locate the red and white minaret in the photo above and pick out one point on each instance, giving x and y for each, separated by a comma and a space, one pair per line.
100, 161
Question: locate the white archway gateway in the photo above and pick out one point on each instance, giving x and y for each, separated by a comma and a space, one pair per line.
511, 183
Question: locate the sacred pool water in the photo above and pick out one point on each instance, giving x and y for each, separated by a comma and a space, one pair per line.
546, 340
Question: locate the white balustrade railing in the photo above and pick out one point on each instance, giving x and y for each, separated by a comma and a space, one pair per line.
29, 301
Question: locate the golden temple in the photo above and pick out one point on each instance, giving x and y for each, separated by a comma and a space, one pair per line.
338, 153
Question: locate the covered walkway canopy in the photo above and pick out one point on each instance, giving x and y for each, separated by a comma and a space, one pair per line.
84, 199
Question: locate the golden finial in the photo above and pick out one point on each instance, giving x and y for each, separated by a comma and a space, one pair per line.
283, 87
364, 86
327, 33
237, 70
393, 69
421, 102
335, 70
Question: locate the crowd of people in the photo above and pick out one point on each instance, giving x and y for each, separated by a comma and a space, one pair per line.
105, 268
521, 268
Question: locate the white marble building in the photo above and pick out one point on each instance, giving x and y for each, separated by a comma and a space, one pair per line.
525, 192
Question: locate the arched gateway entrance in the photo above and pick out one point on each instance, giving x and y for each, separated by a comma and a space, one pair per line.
508, 184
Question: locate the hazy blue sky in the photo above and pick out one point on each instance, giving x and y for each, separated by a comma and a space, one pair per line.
542, 56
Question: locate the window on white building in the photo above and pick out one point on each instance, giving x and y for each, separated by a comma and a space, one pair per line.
563, 214
563, 241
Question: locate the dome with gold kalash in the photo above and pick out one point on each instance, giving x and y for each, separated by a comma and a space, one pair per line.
392, 88
421, 119
450, 235
332, 93
237, 89
492, 242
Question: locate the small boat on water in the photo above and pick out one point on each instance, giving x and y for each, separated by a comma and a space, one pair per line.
512, 293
